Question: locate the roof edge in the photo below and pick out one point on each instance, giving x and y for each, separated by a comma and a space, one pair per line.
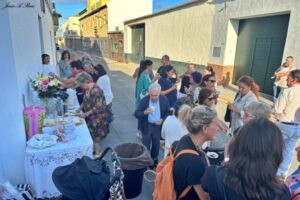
93, 12
175, 8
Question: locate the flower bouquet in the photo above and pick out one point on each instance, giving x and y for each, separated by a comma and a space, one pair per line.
46, 88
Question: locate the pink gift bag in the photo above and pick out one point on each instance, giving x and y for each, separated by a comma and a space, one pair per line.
33, 120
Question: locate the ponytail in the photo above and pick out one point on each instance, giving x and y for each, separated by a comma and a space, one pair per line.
255, 89
184, 113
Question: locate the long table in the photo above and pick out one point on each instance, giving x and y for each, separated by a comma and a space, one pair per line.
40, 163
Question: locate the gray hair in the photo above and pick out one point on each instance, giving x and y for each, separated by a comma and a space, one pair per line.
155, 86
82, 78
259, 109
198, 117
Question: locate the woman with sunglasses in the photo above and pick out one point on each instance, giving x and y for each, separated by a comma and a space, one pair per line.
208, 82
206, 97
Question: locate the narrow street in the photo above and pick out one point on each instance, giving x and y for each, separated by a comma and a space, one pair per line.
232, 56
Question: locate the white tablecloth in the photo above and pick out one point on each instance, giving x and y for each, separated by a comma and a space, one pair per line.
39, 164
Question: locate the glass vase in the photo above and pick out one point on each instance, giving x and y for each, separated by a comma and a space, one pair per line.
50, 106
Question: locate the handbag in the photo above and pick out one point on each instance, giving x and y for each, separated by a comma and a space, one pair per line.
293, 183
227, 117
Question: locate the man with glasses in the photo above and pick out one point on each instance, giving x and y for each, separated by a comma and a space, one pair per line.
287, 108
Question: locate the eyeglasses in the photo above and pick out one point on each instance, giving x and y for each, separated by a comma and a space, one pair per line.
212, 81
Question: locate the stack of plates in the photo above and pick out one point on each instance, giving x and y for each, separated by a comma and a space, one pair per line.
42, 141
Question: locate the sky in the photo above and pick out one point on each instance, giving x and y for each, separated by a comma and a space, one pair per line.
69, 8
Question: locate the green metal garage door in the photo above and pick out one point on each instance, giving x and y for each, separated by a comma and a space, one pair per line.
138, 43
260, 48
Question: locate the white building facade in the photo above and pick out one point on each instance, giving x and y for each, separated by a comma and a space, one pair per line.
236, 37
71, 27
121, 10
26, 33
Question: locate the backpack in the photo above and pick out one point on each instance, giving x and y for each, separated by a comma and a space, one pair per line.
164, 182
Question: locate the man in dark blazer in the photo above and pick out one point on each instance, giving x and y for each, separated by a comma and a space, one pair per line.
152, 111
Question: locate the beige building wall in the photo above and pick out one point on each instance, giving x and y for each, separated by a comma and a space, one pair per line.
92, 4
95, 25
183, 34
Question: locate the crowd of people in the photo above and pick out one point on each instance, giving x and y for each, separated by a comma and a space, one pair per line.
93, 90
260, 151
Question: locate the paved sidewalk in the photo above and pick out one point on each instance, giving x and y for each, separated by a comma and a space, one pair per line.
124, 127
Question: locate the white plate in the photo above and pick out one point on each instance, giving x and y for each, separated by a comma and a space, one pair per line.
212, 155
42, 141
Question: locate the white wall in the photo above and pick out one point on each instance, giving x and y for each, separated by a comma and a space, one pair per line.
225, 36
185, 34
72, 24
48, 32
20, 50
121, 10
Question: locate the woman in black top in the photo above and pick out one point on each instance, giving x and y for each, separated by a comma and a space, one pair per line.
168, 84
254, 157
202, 124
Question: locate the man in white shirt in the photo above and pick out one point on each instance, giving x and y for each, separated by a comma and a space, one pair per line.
287, 109
46, 68
281, 75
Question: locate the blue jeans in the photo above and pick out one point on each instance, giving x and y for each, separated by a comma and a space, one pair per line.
276, 91
290, 135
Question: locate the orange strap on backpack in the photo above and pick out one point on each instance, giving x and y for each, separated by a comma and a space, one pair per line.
164, 183
189, 187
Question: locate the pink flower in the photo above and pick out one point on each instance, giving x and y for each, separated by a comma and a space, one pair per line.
45, 82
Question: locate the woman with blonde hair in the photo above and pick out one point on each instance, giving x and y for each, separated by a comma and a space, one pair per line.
95, 110
202, 125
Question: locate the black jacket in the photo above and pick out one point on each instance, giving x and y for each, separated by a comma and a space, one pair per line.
164, 111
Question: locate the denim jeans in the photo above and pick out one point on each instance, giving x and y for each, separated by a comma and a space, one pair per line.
276, 91
290, 135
